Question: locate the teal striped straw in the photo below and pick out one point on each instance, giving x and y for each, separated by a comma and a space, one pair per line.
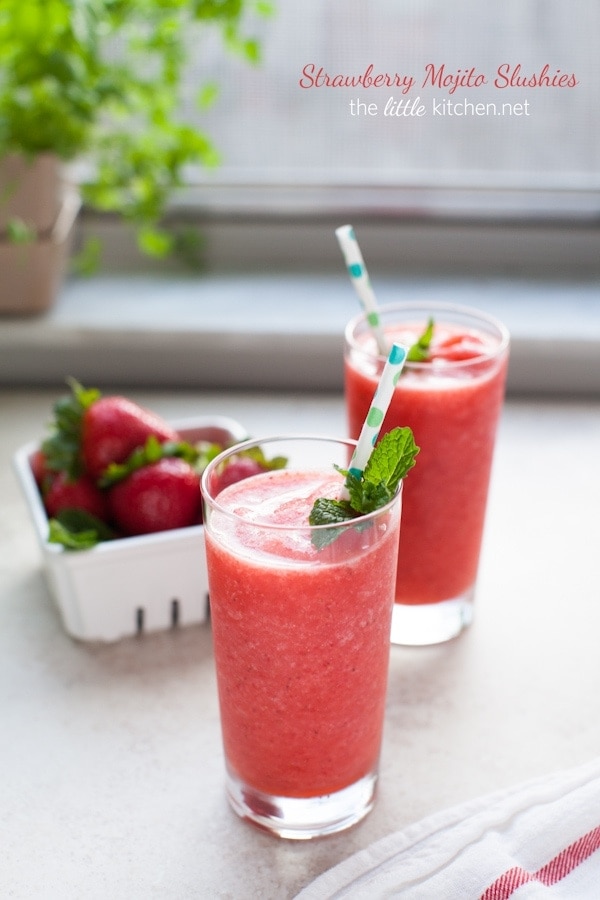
362, 283
379, 407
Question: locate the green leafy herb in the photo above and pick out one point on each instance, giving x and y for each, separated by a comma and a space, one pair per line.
207, 451
62, 447
419, 352
151, 452
77, 529
19, 232
106, 81
390, 461
257, 454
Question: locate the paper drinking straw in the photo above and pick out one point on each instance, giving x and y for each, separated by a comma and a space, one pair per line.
362, 283
379, 406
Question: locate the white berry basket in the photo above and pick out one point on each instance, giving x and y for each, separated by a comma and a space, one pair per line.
131, 585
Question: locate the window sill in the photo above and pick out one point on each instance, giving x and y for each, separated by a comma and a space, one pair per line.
280, 331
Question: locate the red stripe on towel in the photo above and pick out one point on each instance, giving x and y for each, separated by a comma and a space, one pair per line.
555, 870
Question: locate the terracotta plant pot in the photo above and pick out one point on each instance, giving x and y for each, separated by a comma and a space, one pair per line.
30, 190
33, 192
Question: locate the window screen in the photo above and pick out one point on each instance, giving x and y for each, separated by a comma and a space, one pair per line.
415, 104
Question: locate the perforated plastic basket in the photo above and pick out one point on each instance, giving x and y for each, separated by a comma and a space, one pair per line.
131, 585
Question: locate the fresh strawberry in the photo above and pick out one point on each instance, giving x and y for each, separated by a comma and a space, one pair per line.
113, 427
44, 476
81, 493
239, 468
457, 348
39, 466
90, 431
243, 465
156, 497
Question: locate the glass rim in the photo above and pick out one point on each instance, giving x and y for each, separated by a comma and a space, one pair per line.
433, 306
272, 526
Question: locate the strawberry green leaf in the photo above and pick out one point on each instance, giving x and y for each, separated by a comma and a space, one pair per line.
62, 448
207, 451
85, 397
257, 454
76, 529
152, 451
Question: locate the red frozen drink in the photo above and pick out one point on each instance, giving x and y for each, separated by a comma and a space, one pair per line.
301, 640
452, 401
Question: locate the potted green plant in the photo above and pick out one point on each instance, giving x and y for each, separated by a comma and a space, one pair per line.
98, 81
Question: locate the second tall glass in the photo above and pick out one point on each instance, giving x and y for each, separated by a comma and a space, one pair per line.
452, 402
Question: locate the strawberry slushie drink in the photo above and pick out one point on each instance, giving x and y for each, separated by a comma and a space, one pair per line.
301, 620
451, 400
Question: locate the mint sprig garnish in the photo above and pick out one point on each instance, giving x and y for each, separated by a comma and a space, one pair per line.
390, 461
419, 352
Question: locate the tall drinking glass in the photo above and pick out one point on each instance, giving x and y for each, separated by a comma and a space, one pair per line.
453, 404
301, 620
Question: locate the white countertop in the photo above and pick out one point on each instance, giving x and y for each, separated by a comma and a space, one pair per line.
111, 756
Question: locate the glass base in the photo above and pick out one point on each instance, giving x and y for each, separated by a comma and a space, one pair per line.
301, 818
431, 623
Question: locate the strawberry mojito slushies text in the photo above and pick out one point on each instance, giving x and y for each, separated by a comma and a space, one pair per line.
301, 639
452, 401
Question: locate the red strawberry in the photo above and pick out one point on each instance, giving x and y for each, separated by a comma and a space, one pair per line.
239, 468
44, 476
81, 493
112, 427
90, 431
157, 497
38, 466
458, 348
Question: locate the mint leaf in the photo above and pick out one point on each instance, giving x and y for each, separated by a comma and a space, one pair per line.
328, 512
419, 352
391, 459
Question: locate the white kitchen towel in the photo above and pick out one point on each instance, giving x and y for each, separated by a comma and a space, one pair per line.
538, 840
